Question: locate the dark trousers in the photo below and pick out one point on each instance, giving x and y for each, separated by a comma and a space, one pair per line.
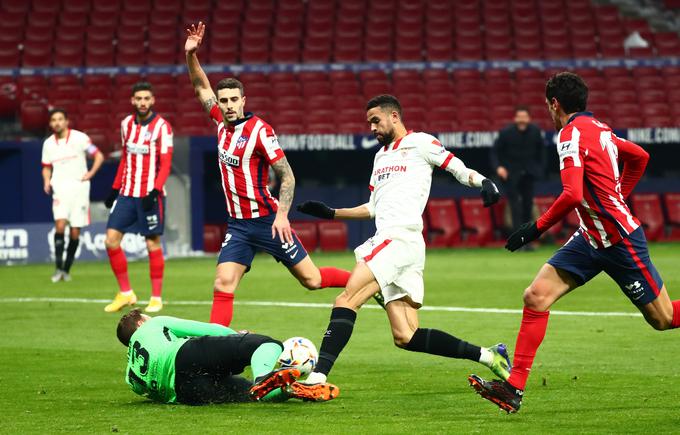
206, 368
520, 193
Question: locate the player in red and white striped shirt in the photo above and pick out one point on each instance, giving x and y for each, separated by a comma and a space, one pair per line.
139, 195
247, 147
610, 238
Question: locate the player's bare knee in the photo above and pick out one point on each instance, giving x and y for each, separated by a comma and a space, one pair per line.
536, 298
112, 243
658, 322
311, 282
226, 283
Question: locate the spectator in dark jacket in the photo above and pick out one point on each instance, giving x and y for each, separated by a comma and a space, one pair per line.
517, 157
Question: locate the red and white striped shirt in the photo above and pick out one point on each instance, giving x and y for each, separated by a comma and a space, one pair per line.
246, 149
147, 156
589, 155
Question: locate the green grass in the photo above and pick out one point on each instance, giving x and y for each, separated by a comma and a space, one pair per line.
63, 369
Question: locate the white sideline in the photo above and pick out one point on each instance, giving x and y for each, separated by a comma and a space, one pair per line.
327, 306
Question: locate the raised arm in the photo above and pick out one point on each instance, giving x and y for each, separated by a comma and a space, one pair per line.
197, 76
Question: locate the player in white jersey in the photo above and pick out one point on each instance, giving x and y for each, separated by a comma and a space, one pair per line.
392, 261
67, 179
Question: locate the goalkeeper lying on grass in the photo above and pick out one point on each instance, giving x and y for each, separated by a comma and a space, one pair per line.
173, 360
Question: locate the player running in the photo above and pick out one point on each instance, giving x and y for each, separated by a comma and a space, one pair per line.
247, 147
610, 238
393, 260
137, 200
172, 360
66, 178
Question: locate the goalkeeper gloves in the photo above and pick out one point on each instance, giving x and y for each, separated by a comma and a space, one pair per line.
108, 202
150, 200
317, 209
527, 233
489, 193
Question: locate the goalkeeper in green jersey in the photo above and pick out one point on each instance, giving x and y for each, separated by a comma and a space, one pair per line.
174, 360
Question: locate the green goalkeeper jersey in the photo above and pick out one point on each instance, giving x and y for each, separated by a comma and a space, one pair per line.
152, 350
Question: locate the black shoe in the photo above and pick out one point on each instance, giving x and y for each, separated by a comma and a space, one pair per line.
380, 299
504, 395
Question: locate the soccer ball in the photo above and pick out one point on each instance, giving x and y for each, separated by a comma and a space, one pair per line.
299, 353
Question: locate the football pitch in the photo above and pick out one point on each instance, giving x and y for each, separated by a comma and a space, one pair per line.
601, 368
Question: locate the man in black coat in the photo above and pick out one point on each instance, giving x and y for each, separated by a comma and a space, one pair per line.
517, 156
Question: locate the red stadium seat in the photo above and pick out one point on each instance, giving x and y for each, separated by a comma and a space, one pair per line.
332, 235
671, 203
443, 223
307, 233
543, 203
647, 208
33, 116
212, 238
476, 222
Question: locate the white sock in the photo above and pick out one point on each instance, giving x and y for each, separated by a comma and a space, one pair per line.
315, 378
486, 356
155, 298
126, 293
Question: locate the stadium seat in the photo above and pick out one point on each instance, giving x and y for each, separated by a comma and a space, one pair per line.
647, 208
332, 235
671, 202
476, 222
212, 238
443, 223
33, 116
307, 233
543, 203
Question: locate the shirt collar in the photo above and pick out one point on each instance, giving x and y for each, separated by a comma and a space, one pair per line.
147, 121
246, 117
577, 114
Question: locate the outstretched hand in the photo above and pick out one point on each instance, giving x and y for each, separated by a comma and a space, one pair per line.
194, 37
317, 209
490, 194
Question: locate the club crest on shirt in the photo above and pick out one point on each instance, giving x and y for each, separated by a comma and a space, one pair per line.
147, 136
241, 142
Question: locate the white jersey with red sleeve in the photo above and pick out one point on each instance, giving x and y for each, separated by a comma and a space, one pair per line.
402, 177
146, 157
67, 157
246, 150
590, 144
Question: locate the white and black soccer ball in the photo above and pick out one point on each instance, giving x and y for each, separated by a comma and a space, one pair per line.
299, 353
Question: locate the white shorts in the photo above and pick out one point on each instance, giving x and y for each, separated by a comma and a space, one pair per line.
397, 260
72, 203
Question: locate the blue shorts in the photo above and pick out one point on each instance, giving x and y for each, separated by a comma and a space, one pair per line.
627, 262
128, 216
247, 236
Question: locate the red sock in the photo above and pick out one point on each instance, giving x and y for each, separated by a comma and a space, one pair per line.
675, 323
530, 336
222, 308
334, 277
156, 266
119, 267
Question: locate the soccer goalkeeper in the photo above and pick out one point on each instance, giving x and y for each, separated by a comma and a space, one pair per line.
173, 360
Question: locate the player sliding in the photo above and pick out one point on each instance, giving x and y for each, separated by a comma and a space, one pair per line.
247, 147
610, 238
173, 360
394, 258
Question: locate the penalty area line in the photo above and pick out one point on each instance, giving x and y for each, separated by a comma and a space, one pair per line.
326, 306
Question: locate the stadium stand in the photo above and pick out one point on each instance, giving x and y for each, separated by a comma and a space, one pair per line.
98, 33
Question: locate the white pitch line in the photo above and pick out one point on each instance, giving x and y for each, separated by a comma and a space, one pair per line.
327, 306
